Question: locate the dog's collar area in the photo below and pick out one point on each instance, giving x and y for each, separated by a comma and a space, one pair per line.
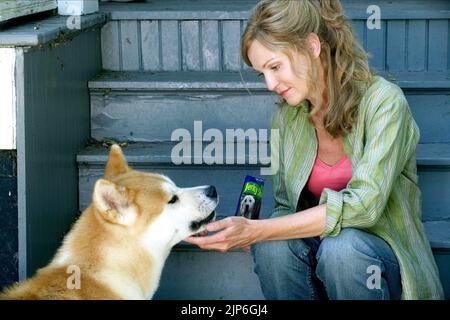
195, 225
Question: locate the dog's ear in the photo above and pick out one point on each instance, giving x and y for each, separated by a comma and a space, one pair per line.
112, 203
116, 163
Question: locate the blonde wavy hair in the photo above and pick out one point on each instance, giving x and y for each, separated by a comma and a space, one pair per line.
283, 25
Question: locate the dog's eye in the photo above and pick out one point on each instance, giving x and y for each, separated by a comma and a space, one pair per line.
174, 199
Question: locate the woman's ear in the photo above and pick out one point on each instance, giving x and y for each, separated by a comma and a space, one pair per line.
314, 44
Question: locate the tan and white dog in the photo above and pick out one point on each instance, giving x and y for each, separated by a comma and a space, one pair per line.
121, 241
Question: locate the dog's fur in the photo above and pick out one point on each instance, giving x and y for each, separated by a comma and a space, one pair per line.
121, 241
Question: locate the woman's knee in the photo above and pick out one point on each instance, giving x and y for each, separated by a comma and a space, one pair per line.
341, 253
352, 252
350, 244
339, 249
345, 263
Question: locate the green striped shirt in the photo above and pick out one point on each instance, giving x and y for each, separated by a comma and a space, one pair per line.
382, 196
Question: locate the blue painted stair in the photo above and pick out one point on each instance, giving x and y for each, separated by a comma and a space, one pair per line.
236, 267
170, 64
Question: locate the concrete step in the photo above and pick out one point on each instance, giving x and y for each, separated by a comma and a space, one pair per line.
204, 35
150, 106
433, 168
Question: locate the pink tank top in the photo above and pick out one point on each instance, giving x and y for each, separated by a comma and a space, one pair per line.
332, 177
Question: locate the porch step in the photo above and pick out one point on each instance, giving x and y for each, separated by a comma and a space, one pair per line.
209, 275
203, 274
197, 274
39, 31
150, 106
204, 35
240, 9
156, 157
198, 80
433, 168
439, 234
176, 62
433, 165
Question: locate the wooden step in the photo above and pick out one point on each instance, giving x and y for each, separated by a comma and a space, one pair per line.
240, 9
204, 35
220, 80
433, 169
38, 30
438, 233
150, 106
204, 274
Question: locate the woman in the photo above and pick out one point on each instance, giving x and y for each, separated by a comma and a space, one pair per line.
347, 221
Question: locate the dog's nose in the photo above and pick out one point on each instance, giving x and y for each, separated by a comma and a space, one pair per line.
211, 192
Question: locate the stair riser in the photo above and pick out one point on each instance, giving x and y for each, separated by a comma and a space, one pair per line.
434, 184
201, 275
442, 258
228, 182
209, 276
214, 44
432, 113
154, 116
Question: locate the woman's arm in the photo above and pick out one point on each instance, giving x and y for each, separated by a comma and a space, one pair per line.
239, 232
303, 224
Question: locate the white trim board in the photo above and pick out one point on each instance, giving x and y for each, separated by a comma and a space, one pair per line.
17, 8
77, 7
7, 99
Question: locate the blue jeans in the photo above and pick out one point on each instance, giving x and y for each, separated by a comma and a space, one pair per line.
353, 265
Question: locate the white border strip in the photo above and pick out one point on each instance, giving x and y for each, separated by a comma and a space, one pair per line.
76, 7
21, 168
7, 99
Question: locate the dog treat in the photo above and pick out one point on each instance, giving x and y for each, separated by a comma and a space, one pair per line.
249, 203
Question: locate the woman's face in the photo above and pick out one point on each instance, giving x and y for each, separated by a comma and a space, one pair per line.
279, 74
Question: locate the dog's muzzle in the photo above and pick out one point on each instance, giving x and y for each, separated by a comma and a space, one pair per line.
195, 225
211, 193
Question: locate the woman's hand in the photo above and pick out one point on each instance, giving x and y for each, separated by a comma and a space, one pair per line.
232, 232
